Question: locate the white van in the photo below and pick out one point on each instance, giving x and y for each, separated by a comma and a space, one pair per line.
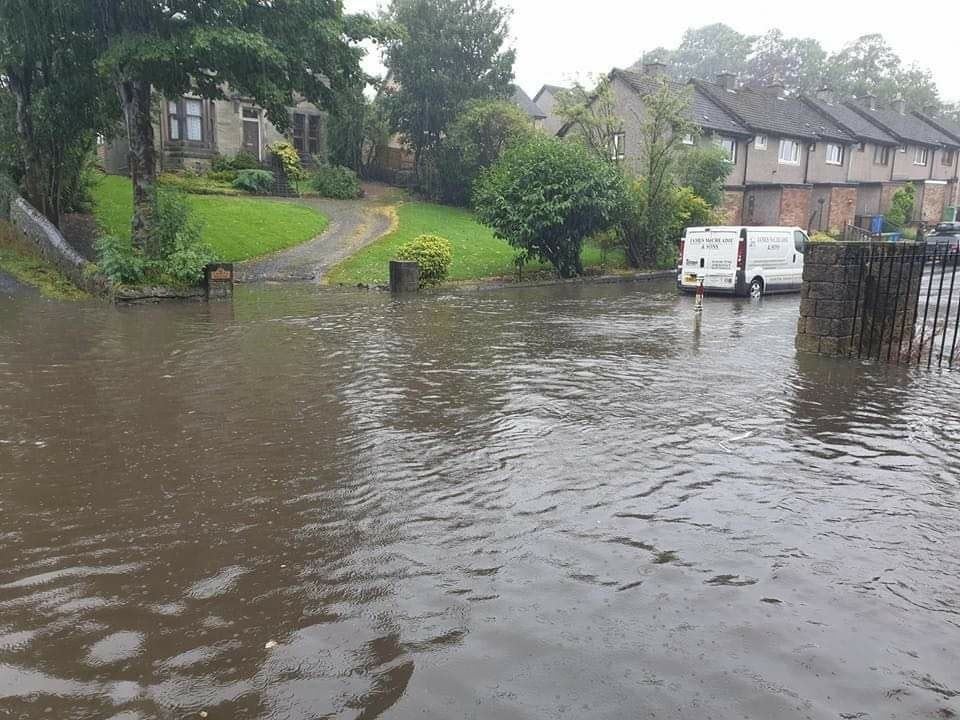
742, 260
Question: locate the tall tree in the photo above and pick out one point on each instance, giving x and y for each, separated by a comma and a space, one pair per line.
271, 52
705, 51
59, 105
799, 63
449, 52
870, 65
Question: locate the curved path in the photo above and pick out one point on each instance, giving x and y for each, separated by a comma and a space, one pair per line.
353, 224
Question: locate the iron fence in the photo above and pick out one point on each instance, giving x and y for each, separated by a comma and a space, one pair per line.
907, 304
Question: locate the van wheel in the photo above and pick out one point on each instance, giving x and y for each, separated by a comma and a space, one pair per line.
756, 288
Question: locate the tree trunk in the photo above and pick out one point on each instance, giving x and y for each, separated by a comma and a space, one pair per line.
42, 192
136, 100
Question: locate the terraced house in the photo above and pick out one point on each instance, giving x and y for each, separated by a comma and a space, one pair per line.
806, 161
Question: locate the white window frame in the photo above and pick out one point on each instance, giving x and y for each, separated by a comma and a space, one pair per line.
794, 158
760, 142
903, 148
835, 150
618, 146
881, 155
729, 145
253, 121
188, 104
921, 156
687, 139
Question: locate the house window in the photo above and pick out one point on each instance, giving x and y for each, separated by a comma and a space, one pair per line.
789, 152
194, 113
903, 148
618, 144
920, 156
862, 148
687, 139
729, 146
760, 142
185, 119
306, 133
881, 155
834, 154
946, 158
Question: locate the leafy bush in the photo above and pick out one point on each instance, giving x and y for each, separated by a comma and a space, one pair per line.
243, 160
822, 237
120, 260
901, 206
335, 181
704, 169
547, 196
222, 176
196, 185
289, 160
175, 251
433, 254
254, 181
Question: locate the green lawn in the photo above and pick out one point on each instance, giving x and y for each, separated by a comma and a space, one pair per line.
236, 228
27, 267
476, 252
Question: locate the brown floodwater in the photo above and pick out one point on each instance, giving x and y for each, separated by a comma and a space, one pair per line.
543, 503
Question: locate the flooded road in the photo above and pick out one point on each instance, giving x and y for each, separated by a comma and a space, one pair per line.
550, 503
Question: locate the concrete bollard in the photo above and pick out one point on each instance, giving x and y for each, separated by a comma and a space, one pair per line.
218, 280
404, 276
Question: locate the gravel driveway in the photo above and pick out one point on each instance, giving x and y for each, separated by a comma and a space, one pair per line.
353, 224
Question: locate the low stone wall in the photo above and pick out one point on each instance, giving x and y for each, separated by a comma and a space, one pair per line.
42, 234
858, 297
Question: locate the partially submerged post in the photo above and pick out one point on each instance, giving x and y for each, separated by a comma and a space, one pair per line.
218, 280
404, 276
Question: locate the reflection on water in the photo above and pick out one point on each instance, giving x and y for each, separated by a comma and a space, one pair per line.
576, 502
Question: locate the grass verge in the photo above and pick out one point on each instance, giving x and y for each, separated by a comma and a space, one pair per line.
477, 254
236, 228
30, 269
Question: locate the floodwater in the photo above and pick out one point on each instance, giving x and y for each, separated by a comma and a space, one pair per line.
547, 503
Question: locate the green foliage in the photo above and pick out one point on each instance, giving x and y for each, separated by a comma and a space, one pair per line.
222, 176
475, 140
256, 181
243, 160
8, 191
195, 184
119, 260
449, 52
433, 254
822, 237
289, 160
357, 129
546, 196
335, 181
705, 170
902, 205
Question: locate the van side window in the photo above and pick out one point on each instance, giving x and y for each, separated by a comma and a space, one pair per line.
799, 241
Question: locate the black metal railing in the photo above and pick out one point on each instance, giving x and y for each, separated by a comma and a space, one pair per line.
907, 307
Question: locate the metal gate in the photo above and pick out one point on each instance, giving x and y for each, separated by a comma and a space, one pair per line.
908, 305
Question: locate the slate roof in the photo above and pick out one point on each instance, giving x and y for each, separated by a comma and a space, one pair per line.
704, 111
944, 125
554, 89
907, 128
523, 101
760, 111
853, 122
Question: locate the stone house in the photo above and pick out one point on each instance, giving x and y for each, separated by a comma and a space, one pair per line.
546, 100
189, 132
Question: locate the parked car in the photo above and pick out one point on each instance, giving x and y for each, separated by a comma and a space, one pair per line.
741, 260
944, 238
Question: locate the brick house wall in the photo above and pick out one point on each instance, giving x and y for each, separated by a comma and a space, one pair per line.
795, 206
731, 208
933, 201
843, 206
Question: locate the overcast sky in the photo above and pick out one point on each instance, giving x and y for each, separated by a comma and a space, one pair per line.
558, 41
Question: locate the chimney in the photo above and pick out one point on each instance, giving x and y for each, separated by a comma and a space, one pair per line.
869, 101
774, 89
654, 68
900, 105
825, 94
726, 80
930, 110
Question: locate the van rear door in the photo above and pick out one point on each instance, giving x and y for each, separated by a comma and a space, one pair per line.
712, 254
